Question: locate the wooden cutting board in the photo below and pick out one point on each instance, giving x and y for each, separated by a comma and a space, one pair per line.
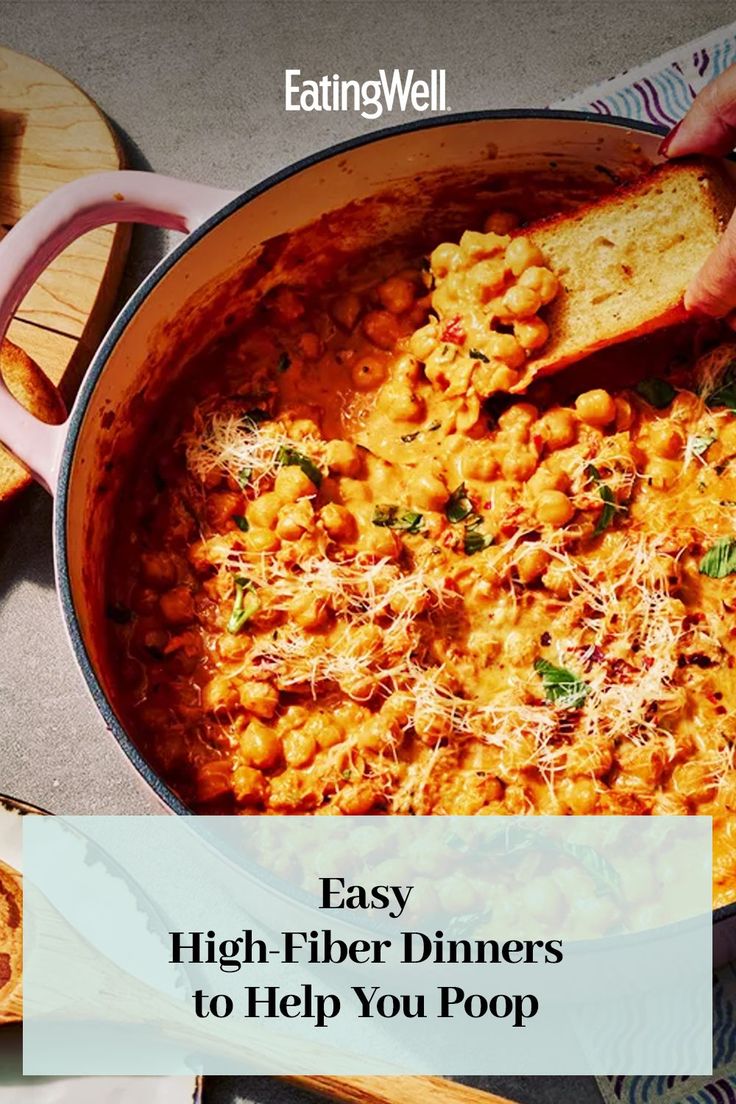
51, 133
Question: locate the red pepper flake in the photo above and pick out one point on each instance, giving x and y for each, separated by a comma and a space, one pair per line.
453, 331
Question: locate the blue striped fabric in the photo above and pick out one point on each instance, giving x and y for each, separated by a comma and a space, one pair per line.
662, 90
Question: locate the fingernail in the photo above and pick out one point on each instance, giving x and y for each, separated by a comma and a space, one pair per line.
666, 141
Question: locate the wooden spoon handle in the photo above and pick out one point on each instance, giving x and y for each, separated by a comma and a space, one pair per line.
395, 1090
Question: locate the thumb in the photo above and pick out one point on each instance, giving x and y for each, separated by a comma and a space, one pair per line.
710, 124
712, 290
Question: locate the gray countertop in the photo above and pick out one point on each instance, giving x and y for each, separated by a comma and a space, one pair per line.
196, 90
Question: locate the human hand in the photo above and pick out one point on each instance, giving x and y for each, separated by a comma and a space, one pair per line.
710, 127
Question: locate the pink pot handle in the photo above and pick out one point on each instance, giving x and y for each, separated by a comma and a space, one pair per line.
47, 229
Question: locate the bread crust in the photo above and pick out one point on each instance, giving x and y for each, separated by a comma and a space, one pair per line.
693, 199
35, 391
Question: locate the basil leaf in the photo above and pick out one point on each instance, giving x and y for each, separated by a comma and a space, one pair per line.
610, 505
608, 512
476, 355
458, 505
475, 539
657, 392
560, 686
289, 458
725, 393
720, 560
242, 522
700, 445
257, 416
283, 362
246, 604
244, 476
391, 517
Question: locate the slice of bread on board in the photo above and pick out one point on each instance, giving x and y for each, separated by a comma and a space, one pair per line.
625, 261
35, 391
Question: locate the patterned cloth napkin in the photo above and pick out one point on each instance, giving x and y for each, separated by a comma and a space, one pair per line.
661, 92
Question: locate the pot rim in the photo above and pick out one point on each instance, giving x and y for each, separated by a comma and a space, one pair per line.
118, 327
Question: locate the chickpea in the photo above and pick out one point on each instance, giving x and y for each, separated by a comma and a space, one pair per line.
291, 484
445, 295
694, 781
159, 569
381, 329
501, 222
358, 799
624, 414
487, 278
666, 804
380, 542
478, 462
554, 508
260, 746
666, 439
396, 294
595, 408
506, 348
503, 378
519, 464
521, 253
424, 340
259, 697
557, 428
521, 302
309, 609
342, 458
249, 785
428, 491
558, 580
662, 473
579, 795
402, 404
338, 521
213, 779
531, 564
300, 747
220, 694
531, 333
177, 606
445, 258
547, 479
519, 417
589, 757
368, 372
295, 519
346, 309
264, 510
475, 244
325, 729
645, 762
541, 280
221, 506
258, 539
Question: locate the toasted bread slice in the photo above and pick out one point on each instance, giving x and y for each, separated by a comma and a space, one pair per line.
625, 261
28, 384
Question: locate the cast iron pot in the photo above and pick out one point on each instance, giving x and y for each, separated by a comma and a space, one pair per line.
373, 189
